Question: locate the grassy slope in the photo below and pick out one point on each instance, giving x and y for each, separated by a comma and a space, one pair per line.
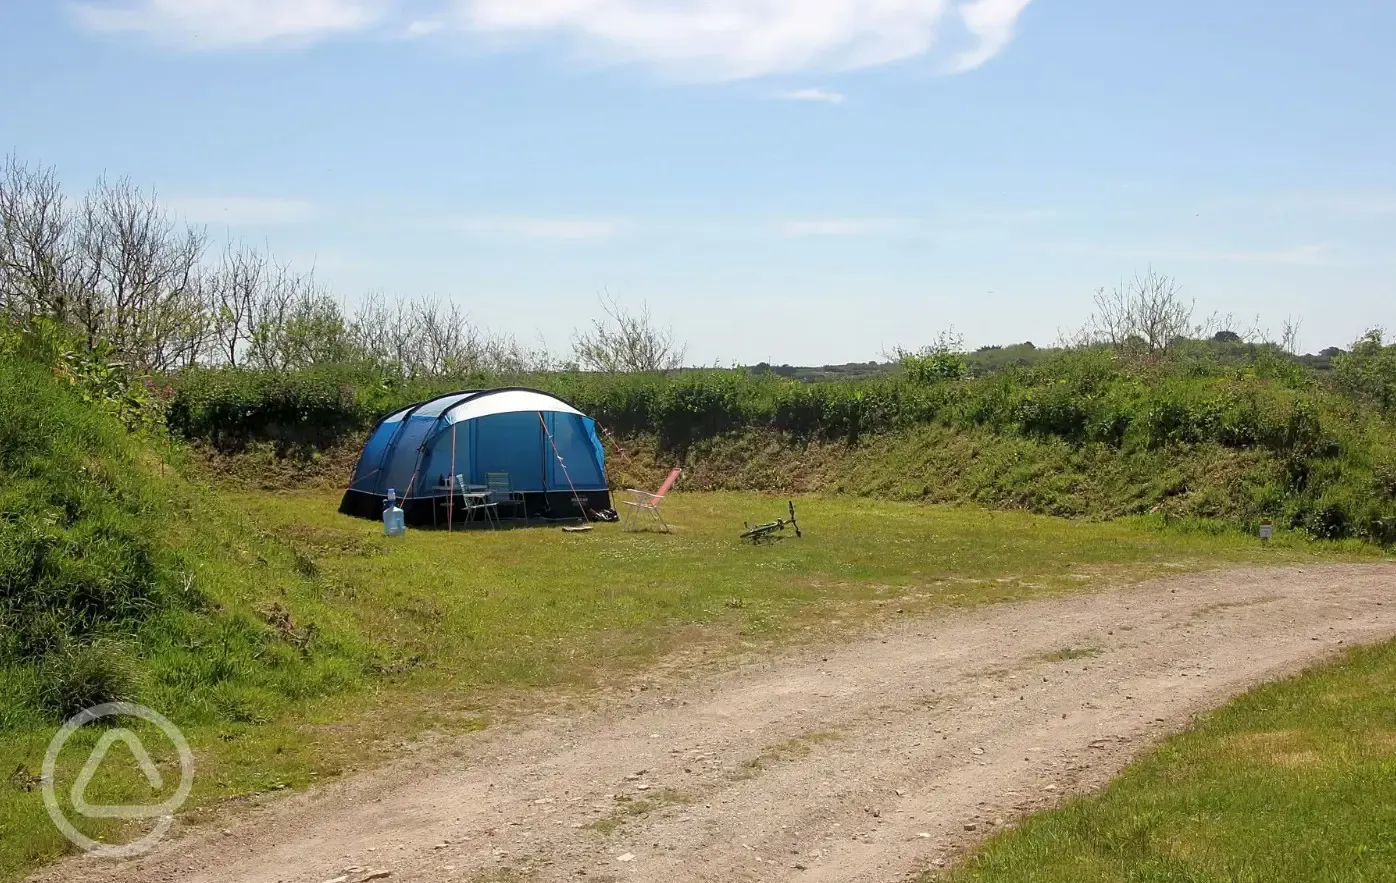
119, 580
1294, 782
937, 464
929, 464
435, 631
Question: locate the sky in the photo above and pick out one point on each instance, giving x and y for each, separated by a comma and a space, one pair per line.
790, 181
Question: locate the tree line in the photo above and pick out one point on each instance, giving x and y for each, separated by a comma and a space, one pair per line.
117, 268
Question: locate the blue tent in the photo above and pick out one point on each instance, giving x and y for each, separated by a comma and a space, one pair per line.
548, 449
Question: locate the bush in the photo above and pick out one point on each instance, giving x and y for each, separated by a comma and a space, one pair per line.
1368, 372
1081, 397
1384, 476
95, 372
80, 677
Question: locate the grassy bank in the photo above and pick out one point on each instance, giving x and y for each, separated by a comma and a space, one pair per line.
926, 464
1293, 782
120, 580
1081, 432
937, 464
317, 631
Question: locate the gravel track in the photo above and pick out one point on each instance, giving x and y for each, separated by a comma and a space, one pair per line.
866, 761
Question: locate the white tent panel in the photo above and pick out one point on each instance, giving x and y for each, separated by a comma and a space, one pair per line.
510, 402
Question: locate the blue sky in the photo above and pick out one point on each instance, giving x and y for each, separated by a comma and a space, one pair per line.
802, 181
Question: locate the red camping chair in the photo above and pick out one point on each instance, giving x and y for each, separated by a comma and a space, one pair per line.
643, 501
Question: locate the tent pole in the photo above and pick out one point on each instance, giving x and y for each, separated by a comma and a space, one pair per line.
451, 485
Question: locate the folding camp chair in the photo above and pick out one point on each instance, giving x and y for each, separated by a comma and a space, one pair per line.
502, 492
476, 500
643, 501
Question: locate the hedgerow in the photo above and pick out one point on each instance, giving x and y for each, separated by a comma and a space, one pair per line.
1328, 450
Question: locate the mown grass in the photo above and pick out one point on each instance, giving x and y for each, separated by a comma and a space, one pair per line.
495, 607
1295, 781
321, 646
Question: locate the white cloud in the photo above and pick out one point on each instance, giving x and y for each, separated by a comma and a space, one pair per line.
425, 27
737, 39
992, 22
240, 211
812, 95
230, 23
842, 227
575, 229
702, 39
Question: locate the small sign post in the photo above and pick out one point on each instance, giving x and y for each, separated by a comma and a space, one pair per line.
1267, 530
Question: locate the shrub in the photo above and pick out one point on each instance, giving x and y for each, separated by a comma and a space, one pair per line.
80, 677
1368, 372
1384, 476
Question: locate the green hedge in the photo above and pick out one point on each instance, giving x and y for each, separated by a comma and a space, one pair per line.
1080, 404
1328, 447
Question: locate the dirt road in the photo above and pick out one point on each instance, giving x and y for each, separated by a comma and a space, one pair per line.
862, 762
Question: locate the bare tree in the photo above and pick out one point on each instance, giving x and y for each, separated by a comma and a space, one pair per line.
382, 333
1228, 328
425, 337
235, 292
139, 284
36, 249
446, 343
626, 342
420, 337
505, 355
1289, 335
116, 267
297, 323
1286, 339
271, 313
1145, 315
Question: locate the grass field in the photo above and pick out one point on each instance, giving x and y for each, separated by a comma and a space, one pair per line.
1296, 781
378, 641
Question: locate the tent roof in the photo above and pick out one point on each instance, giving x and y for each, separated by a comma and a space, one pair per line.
506, 401
459, 407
